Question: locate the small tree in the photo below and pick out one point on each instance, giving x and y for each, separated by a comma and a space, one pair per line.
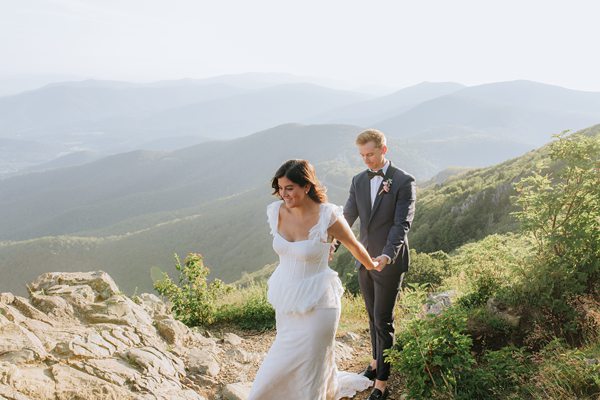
193, 300
561, 209
561, 206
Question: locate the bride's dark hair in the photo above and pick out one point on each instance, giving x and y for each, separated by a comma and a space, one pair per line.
302, 173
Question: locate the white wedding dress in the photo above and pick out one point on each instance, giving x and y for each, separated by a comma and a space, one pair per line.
306, 295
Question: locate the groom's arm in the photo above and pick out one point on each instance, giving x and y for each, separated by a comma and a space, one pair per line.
403, 217
351, 209
350, 214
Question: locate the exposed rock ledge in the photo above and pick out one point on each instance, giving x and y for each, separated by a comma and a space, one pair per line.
78, 337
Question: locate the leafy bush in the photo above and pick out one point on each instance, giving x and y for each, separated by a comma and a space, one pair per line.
413, 297
560, 208
254, 312
428, 268
490, 330
434, 356
503, 374
485, 287
193, 299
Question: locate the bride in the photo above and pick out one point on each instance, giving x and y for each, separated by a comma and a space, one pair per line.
305, 292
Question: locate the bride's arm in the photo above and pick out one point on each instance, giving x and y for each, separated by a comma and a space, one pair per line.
342, 232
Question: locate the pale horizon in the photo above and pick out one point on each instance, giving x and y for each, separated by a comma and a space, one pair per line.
388, 44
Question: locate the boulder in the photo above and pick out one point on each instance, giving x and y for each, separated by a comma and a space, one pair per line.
237, 391
78, 337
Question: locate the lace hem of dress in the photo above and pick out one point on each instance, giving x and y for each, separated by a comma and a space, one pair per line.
348, 384
322, 290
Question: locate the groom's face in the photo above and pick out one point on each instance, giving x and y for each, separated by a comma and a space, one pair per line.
373, 157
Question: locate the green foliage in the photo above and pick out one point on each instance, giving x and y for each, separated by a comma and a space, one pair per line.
485, 288
560, 208
434, 356
502, 374
410, 305
564, 373
468, 208
193, 299
428, 268
345, 265
489, 268
253, 313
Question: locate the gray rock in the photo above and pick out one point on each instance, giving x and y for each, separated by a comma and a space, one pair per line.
99, 282
78, 337
436, 303
243, 356
350, 337
237, 391
202, 362
173, 331
506, 314
232, 339
343, 352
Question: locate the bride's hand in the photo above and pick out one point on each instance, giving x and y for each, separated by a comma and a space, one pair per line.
332, 248
375, 265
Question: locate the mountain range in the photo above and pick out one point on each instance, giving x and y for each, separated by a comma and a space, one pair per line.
496, 121
119, 176
201, 199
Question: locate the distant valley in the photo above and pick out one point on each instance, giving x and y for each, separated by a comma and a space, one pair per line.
118, 176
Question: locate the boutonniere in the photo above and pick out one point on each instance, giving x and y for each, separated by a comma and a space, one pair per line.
387, 185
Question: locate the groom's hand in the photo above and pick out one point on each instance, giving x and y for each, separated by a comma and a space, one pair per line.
382, 261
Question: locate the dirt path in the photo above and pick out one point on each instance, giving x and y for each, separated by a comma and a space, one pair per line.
261, 342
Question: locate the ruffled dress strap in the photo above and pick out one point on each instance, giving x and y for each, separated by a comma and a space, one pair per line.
273, 215
328, 215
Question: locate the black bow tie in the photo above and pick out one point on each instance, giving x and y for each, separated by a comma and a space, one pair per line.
374, 174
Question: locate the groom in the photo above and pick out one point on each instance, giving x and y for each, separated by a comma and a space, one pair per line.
383, 198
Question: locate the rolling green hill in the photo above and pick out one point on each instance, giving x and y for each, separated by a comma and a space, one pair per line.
217, 207
473, 204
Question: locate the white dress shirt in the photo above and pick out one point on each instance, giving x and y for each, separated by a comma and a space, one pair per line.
375, 184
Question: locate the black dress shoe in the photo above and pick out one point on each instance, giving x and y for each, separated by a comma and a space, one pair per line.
369, 373
377, 395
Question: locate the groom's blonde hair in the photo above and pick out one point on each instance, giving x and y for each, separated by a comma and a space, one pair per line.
371, 135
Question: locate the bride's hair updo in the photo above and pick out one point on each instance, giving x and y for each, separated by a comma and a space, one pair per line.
302, 173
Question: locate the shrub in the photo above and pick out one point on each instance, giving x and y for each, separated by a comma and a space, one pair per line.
503, 374
485, 287
434, 355
193, 299
428, 268
253, 312
489, 330
560, 208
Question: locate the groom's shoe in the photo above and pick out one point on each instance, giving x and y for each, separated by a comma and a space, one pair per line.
369, 373
376, 394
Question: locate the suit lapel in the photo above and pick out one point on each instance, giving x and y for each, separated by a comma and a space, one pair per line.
388, 175
363, 188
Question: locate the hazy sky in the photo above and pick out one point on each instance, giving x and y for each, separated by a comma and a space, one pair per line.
392, 43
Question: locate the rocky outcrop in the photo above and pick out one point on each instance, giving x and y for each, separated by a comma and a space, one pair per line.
78, 337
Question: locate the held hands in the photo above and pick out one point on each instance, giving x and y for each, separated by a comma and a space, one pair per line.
380, 262
376, 267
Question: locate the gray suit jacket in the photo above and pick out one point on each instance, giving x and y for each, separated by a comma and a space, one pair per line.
384, 228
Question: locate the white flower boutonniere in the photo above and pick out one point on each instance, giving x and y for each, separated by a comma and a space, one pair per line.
387, 185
